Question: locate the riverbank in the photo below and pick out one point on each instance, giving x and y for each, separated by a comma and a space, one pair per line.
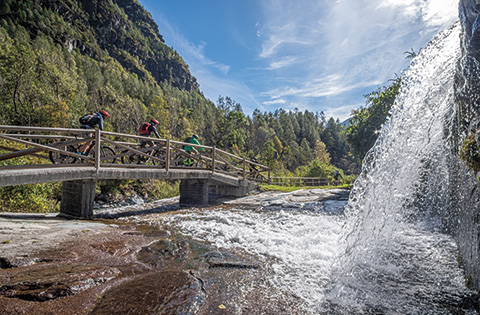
114, 263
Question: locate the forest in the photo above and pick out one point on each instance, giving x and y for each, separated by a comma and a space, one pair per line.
61, 59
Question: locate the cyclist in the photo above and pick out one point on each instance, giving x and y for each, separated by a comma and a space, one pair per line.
89, 121
146, 130
253, 168
190, 149
336, 177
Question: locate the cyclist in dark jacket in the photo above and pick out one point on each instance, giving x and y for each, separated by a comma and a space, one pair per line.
336, 177
89, 122
94, 120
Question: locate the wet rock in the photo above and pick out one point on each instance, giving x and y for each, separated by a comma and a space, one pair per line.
168, 292
6, 262
114, 248
134, 200
229, 260
293, 205
54, 282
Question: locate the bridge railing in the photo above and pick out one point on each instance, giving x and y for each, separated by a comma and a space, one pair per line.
30, 147
300, 181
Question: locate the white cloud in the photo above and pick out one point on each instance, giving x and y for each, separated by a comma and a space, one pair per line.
432, 12
345, 46
282, 63
274, 102
330, 85
340, 112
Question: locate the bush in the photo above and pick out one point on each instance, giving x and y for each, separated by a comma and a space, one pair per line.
38, 198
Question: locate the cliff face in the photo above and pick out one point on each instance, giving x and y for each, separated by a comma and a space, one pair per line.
465, 192
121, 28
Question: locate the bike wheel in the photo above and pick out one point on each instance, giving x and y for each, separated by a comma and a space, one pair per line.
104, 152
107, 152
161, 154
178, 160
130, 159
60, 158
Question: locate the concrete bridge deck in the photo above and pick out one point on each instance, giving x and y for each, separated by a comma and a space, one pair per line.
12, 177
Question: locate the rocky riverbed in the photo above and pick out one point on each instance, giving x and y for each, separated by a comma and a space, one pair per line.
120, 263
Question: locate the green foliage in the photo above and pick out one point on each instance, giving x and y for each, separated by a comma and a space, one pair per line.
317, 169
150, 190
470, 154
232, 125
30, 198
367, 121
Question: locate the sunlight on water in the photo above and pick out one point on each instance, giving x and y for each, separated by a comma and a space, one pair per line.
386, 255
303, 245
395, 260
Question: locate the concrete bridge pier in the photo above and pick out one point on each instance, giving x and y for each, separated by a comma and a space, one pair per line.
194, 192
78, 195
201, 192
77, 199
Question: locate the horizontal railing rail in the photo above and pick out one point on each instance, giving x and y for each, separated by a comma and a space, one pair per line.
299, 181
30, 147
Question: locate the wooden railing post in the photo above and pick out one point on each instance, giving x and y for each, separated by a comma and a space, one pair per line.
167, 156
97, 149
269, 180
213, 159
244, 169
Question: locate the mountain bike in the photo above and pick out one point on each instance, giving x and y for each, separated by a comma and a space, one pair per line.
152, 153
60, 158
187, 159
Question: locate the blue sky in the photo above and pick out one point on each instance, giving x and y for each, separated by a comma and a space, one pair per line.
316, 55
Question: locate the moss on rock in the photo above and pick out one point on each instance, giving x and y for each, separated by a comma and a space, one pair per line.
470, 154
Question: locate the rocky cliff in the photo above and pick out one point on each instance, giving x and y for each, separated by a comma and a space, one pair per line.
465, 132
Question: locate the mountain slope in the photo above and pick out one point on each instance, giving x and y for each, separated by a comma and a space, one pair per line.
122, 28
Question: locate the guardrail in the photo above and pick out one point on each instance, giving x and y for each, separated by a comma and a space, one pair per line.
299, 181
39, 147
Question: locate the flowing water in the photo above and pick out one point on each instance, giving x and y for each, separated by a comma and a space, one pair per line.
386, 253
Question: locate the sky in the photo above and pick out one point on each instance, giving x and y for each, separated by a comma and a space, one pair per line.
315, 55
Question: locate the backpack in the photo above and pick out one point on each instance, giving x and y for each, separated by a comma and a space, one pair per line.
85, 120
143, 130
187, 140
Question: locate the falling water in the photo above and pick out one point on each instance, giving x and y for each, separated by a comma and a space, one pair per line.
395, 258
386, 255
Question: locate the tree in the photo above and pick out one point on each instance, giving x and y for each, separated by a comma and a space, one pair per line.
367, 121
321, 153
233, 124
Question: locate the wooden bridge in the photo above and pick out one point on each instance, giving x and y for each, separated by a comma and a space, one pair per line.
32, 155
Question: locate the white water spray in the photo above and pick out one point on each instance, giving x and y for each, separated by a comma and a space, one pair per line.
396, 260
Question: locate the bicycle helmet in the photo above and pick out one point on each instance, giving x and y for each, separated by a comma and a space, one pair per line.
104, 113
154, 121
195, 136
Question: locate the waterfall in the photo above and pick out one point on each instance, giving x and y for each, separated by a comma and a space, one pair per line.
405, 175
401, 195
